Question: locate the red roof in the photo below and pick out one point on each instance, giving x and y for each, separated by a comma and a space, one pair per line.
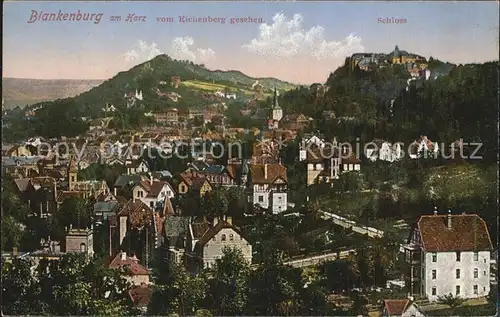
153, 188
396, 307
468, 232
129, 263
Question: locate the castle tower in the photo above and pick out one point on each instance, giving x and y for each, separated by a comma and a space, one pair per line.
80, 241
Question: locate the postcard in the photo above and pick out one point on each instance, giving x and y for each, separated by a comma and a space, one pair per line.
265, 158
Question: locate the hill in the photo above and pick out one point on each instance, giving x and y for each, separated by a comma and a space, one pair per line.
24, 91
155, 79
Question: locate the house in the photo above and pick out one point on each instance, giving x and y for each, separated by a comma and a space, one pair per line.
40, 193
132, 215
383, 151
267, 184
194, 182
136, 274
310, 142
176, 228
152, 191
105, 209
448, 254
323, 164
217, 175
400, 308
207, 245
136, 166
21, 150
423, 147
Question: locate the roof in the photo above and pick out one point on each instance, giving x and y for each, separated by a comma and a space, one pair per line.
468, 232
132, 265
67, 194
194, 180
210, 233
175, 228
396, 307
140, 295
138, 213
274, 171
199, 228
105, 206
153, 188
124, 180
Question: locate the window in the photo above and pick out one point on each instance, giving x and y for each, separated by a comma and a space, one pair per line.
475, 290
457, 290
261, 199
151, 204
434, 274
223, 237
139, 193
457, 273
83, 247
434, 257
231, 237
476, 273
458, 256
476, 256
434, 291
484, 273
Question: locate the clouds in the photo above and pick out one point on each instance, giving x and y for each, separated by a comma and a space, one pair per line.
179, 48
287, 38
142, 52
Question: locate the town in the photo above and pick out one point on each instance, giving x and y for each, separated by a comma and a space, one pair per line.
172, 189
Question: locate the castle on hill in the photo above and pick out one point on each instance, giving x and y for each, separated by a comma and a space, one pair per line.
414, 63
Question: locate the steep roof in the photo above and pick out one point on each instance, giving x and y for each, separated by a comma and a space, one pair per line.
274, 171
200, 228
129, 263
468, 232
138, 213
221, 224
396, 307
153, 188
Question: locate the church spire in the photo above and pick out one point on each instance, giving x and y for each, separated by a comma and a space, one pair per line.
275, 99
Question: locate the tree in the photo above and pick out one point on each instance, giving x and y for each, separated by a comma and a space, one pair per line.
176, 291
229, 283
450, 300
215, 203
72, 285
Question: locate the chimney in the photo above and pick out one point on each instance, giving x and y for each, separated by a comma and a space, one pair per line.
265, 171
229, 220
216, 220
115, 191
14, 251
448, 220
123, 256
435, 211
151, 179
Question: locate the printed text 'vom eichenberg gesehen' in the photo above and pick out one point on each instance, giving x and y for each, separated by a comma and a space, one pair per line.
41, 16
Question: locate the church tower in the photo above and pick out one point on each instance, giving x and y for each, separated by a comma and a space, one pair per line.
276, 111
72, 173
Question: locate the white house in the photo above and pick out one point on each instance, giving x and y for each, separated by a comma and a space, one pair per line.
136, 166
311, 142
449, 254
208, 246
152, 191
384, 151
268, 186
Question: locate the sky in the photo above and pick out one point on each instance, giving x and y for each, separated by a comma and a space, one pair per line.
300, 42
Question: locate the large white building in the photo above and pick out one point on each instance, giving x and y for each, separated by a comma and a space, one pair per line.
449, 254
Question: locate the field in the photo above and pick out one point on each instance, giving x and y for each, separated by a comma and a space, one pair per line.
212, 87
